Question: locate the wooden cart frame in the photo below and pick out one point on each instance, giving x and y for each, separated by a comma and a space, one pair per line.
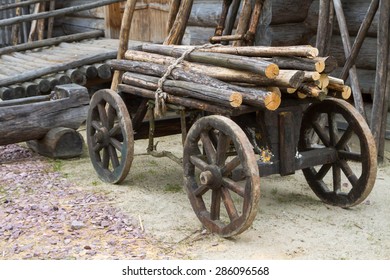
227, 151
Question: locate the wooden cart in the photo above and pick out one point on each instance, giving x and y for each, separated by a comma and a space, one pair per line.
227, 150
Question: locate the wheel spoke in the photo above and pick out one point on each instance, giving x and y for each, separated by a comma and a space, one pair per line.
215, 208
115, 130
233, 186
345, 138
97, 148
198, 162
320, 132
333, 131
201, 190
348, 173
111, 114
231, 165
208, 147
323, 171
117, 144
350, 156
336, 178
229, 204
103, 114
113, 156
222, 148
106, 158
96, 125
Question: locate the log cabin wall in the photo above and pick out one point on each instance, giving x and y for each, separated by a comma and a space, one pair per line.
149, 20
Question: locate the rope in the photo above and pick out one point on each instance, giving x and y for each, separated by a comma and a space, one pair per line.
160, 107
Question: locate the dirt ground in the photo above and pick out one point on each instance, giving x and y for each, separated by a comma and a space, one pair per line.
292, 223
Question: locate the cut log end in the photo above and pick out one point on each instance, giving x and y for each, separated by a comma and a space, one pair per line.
320, 66
272, 71
274, 99
235, 99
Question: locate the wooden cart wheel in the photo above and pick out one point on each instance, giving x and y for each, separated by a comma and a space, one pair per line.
223, 205
337, 124
110, 136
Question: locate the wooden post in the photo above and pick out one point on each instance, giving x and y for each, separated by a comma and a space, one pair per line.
177, 31
381, 77
175, 4
357, 95
124, 38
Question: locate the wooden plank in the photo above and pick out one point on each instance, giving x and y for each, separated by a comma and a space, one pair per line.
287, 143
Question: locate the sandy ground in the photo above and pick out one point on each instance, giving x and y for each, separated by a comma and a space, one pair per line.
292, 223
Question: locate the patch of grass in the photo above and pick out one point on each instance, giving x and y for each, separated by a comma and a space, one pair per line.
57, 165
95, 183
172, 188
274, 191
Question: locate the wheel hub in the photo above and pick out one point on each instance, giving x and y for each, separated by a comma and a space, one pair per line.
102, 136
211, 177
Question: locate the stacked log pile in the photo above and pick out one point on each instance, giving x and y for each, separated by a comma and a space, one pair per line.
38, 71
229, 77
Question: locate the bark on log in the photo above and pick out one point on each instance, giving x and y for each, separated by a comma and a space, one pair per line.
183, 101
261, 98
299, 63
51, 42
59, 12
28, 122
59, 143
33, 74
262, 51
284, 79
177, 31
181, 88
265, 68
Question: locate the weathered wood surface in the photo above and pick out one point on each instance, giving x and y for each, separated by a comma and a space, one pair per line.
68, 108
59, 143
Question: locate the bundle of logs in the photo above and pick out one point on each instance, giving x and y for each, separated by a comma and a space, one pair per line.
227, 76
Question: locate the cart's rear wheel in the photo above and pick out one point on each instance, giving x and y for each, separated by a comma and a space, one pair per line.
224, 206
349, 180
110, 136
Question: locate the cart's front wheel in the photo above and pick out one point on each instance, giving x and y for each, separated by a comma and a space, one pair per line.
110, 136
337, 125
215, 148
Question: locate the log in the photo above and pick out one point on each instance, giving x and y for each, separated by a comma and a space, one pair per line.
175, 4
43, 85
59, 143
20, 4
178, 28
103, 71
311, 76
261, 98
357, 95
313, 91
243, 21
68, 108
183, 101
262, 51
260, 66
299, 63
31, 89
6, 93
284, 79
76, 76
33, 74
225, 98
51, 42
124, 38
90, 71
55, 13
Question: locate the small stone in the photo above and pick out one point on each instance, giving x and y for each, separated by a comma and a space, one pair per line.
67, 241
76, 225
87, 247
105, 223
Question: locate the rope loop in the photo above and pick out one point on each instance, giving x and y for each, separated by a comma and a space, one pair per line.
160, 107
